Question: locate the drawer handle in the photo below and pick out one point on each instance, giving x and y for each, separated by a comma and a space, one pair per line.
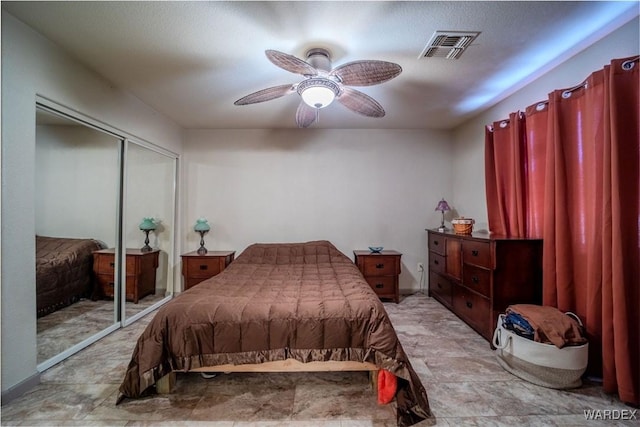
379, 265
379, 286
112, 284
469, 304
475, 279
435, 243
474, 253
204, 266
112, 264
439, 285
436, 262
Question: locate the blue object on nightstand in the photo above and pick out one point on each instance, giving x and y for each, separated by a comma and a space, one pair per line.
375, 249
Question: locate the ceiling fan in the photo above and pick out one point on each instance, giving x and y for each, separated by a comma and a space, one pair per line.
322, 84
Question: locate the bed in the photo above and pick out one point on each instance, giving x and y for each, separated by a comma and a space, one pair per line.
302, 304
64, 271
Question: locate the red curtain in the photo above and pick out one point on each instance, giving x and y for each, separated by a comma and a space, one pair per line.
581, 183
505, 179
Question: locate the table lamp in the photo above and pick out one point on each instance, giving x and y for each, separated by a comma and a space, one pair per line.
443, 207
202, 227
148, 224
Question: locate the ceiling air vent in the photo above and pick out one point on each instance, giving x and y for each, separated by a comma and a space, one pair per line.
448, 44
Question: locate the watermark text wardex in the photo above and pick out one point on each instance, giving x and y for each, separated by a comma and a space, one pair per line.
610, 414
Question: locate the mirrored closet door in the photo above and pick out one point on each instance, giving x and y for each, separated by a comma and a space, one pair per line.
105, 216
77, 186
148, 227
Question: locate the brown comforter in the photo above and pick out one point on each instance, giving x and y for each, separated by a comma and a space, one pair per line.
64, 271
304, 301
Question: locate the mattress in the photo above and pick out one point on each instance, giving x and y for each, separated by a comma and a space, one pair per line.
302, 301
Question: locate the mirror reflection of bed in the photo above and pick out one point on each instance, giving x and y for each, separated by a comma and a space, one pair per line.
76, 185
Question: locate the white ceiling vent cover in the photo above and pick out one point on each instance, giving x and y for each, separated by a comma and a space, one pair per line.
448, 44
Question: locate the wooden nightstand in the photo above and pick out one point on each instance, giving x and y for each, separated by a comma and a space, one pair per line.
196, 268
381, 270
141, 273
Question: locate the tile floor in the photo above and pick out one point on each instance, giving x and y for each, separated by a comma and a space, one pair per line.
464, 383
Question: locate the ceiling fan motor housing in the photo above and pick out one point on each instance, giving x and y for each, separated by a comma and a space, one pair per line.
319, 58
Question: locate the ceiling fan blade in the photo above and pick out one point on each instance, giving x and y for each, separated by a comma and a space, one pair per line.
360, 103
266, 94
305, 115
366, 73
291, 63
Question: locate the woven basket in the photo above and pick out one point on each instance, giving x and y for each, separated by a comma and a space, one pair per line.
462, 225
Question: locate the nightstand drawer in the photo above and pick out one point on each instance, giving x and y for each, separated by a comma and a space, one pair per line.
105, 264
476, 253
383, 285
380, 265
107, 284
477, 278
202, 268
437, 262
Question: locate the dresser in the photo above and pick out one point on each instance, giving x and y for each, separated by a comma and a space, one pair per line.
196, 267
381, 271
478, 276
140, 270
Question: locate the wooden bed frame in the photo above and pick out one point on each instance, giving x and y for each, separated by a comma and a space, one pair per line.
165, 384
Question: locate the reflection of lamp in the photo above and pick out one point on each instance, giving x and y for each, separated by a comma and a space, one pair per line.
148, 224
318, 92
202, 227
443, 206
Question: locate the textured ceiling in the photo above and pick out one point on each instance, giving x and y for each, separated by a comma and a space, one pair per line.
192, 60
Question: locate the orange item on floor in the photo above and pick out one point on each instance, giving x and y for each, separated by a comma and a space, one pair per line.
387, 385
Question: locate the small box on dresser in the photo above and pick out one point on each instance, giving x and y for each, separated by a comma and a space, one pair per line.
381, 271
197, 267
477, 276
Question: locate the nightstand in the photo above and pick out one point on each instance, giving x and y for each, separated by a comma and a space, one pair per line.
381, 271
196, 267
141, 273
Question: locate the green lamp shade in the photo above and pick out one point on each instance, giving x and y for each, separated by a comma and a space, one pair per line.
147, 224
201, 225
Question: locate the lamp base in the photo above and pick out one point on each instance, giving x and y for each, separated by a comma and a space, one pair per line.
146, 247
202, 250
442, 229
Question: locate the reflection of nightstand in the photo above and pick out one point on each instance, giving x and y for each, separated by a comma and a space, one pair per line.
381, 270
141, 272
196, 267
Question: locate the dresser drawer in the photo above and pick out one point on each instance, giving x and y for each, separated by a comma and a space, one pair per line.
437, 262
476, 253
440, 287
436, 243
383, 285
202, 268
380, 265
474, 308
477, 278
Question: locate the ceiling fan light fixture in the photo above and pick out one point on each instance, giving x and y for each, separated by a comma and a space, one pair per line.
318, 92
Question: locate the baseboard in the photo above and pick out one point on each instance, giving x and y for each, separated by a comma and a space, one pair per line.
21, 388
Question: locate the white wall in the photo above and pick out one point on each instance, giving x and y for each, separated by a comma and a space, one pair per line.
356, 188
32, 65
77, 183
468, 152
